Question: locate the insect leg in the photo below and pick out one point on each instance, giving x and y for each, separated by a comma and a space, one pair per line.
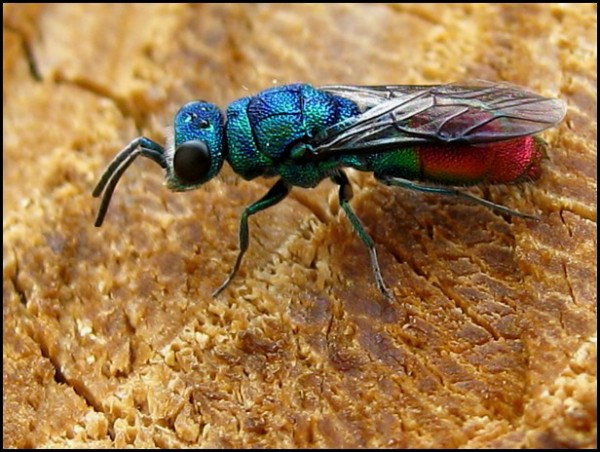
345, 195
277, 192
399, 182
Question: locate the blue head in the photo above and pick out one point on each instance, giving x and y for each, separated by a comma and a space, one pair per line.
198, 150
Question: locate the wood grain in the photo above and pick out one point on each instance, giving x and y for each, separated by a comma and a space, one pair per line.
111, 337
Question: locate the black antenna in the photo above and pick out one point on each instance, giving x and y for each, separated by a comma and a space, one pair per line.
113, 172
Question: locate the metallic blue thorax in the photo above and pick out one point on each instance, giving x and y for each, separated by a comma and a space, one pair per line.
267, 132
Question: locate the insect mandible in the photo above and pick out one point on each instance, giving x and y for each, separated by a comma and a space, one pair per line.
427, 138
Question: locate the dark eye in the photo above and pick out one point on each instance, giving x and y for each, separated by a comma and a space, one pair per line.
204, 124
191, 162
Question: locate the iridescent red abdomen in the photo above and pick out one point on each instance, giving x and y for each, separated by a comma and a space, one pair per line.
500, 162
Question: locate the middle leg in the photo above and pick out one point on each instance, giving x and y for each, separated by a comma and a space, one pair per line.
345, 195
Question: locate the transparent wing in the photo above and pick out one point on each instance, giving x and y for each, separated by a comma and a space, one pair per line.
400, 115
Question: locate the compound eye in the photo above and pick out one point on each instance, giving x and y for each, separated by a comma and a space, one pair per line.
191, 162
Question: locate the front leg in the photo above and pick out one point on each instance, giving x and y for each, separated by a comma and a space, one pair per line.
277, 192
345, 195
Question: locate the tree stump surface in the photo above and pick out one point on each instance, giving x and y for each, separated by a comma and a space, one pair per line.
111, 337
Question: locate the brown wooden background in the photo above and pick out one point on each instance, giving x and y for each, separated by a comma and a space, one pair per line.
111, 337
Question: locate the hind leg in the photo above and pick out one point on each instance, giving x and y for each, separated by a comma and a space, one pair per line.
400, 182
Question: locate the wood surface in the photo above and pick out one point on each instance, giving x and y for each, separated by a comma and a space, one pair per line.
111, 337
